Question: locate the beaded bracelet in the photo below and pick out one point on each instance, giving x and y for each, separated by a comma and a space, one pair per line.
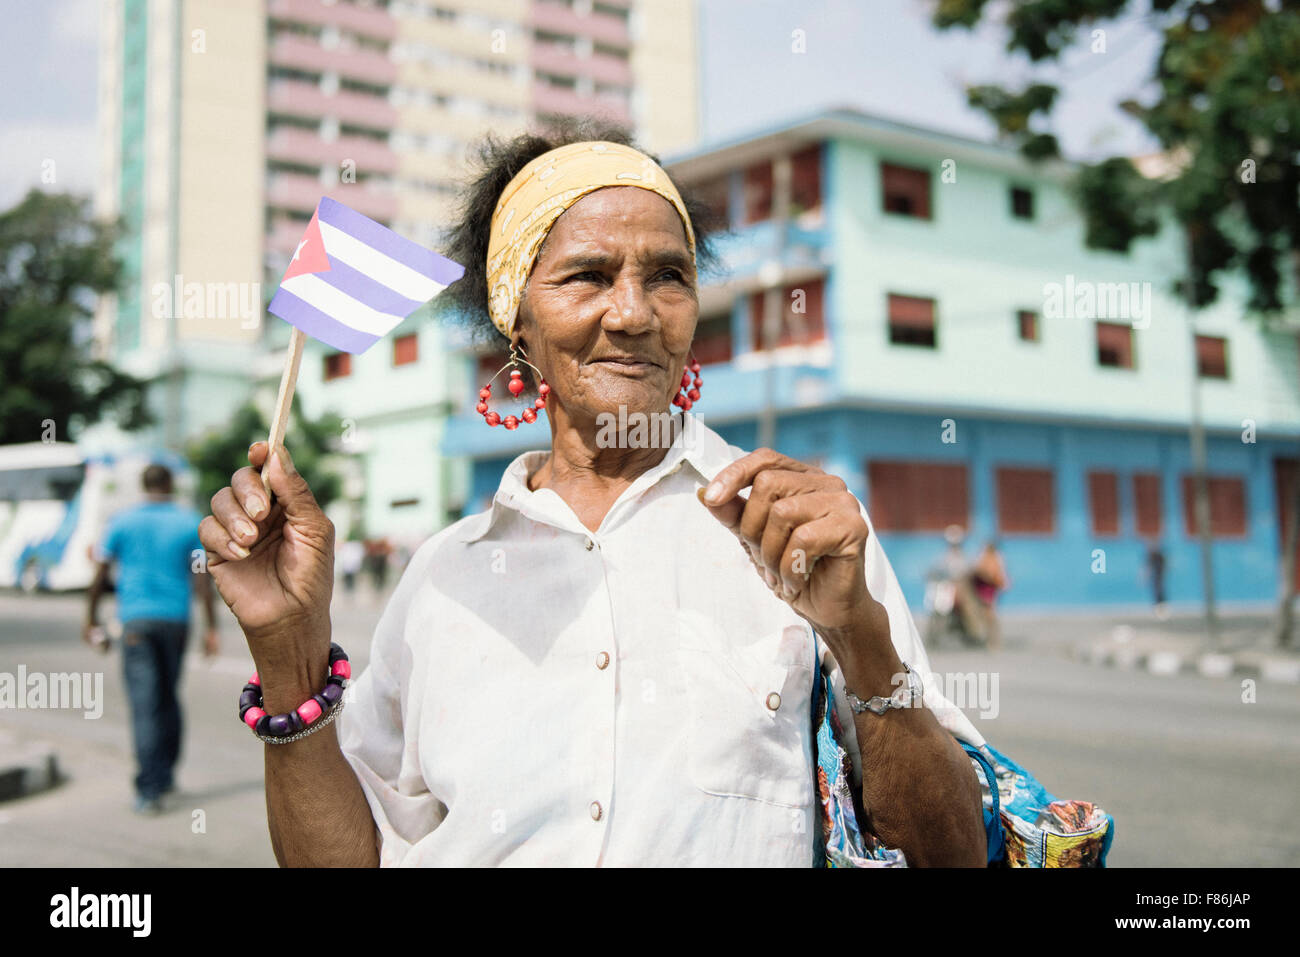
306, 718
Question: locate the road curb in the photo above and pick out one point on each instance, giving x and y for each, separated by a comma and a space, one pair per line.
1163, 662
28, 769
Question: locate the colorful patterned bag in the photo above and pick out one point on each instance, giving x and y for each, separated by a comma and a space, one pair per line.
1026, 825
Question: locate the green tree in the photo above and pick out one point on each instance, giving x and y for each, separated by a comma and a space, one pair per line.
1225, 108
54, 259
218, 455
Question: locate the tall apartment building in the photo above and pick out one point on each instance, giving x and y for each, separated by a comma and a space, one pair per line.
949, 347
223, 122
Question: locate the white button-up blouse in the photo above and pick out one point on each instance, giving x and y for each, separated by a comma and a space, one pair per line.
541, 694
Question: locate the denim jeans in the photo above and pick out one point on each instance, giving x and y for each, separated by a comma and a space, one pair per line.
151, 662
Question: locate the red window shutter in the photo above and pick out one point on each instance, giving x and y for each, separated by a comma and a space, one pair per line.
1026, 501
1227, 496
338, 365
1103, 498
806, 177
1212, 357
917, 496
715, 195
758, 192
911, 320
796, 328
406, 349
905, 190
1115, 345
1027, 324
488, 366
712, 341
1146, 503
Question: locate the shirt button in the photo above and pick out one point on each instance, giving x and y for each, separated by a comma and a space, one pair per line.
602, 660
589, 545
596, 810
773, 701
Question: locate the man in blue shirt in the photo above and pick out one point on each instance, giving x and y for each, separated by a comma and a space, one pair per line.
156, 546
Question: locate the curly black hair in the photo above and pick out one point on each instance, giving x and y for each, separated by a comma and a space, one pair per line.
494, 162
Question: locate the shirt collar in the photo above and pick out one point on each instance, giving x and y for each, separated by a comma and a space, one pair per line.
697, 446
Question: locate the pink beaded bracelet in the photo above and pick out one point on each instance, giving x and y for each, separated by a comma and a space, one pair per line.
306, 718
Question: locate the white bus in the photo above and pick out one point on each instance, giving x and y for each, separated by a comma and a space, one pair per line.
55, 500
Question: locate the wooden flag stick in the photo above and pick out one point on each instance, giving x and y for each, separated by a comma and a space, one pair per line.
284, 403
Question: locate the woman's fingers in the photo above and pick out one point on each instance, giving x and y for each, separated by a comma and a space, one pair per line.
784, 516
239, 526
740, 474
246, 485
218, 544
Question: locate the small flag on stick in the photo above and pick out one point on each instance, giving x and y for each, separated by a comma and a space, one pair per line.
351, 282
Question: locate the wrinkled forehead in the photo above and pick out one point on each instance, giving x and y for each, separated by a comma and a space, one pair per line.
616, 216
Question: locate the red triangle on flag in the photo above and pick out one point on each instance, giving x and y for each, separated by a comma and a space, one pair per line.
310, 256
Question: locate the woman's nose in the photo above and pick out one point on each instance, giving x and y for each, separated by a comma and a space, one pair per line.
629, 311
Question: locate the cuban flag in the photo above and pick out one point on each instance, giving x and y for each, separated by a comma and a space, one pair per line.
351, 280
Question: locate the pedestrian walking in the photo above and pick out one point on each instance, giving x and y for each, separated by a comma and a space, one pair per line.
1155, 568
989, 579
154, 546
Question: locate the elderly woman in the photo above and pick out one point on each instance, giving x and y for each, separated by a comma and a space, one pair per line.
616, 663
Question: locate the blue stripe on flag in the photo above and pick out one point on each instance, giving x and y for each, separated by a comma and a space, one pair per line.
424, 261
364, 289
319, 325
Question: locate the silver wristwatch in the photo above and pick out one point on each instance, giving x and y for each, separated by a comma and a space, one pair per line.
902, 698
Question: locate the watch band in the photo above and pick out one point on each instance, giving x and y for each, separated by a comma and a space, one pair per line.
901, 698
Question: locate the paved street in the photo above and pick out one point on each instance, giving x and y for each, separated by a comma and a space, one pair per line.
1193, 776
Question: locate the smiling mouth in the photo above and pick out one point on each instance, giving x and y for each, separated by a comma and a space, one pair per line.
627, 365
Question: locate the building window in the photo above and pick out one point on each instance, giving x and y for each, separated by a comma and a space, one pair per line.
1227, 496
905, 191
1022, 202
1103, 501
1114, 345
713, 342
1212, 357
1026, 501
917, 496
1146, 504
758, 193
406, 349
911, 321
1027, 325
338, 365
806, 179
803, 318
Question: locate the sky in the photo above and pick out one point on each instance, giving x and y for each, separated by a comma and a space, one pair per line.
881, 56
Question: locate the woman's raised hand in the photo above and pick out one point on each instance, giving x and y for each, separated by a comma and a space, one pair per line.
806, 536
273, 564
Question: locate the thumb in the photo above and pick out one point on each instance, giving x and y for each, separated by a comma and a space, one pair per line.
728, 513
289, 487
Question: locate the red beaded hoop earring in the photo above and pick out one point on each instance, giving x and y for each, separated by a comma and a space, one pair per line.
691, 383
516, 386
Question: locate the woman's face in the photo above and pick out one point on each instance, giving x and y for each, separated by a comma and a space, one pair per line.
611, 305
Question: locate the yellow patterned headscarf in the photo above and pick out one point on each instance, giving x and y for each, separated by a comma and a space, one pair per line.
532, 202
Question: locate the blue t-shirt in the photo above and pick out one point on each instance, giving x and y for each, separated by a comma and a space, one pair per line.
153, 545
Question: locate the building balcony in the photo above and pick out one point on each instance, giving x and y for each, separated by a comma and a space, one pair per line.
301, 193
367, 21
298, 98
292, 145
555, 58
556, 18
550, 99
300, 53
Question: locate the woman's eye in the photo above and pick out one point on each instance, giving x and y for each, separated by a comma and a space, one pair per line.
674, 274
588, 275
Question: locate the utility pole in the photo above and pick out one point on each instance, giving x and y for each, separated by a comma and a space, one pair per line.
1201, 506
771, 275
